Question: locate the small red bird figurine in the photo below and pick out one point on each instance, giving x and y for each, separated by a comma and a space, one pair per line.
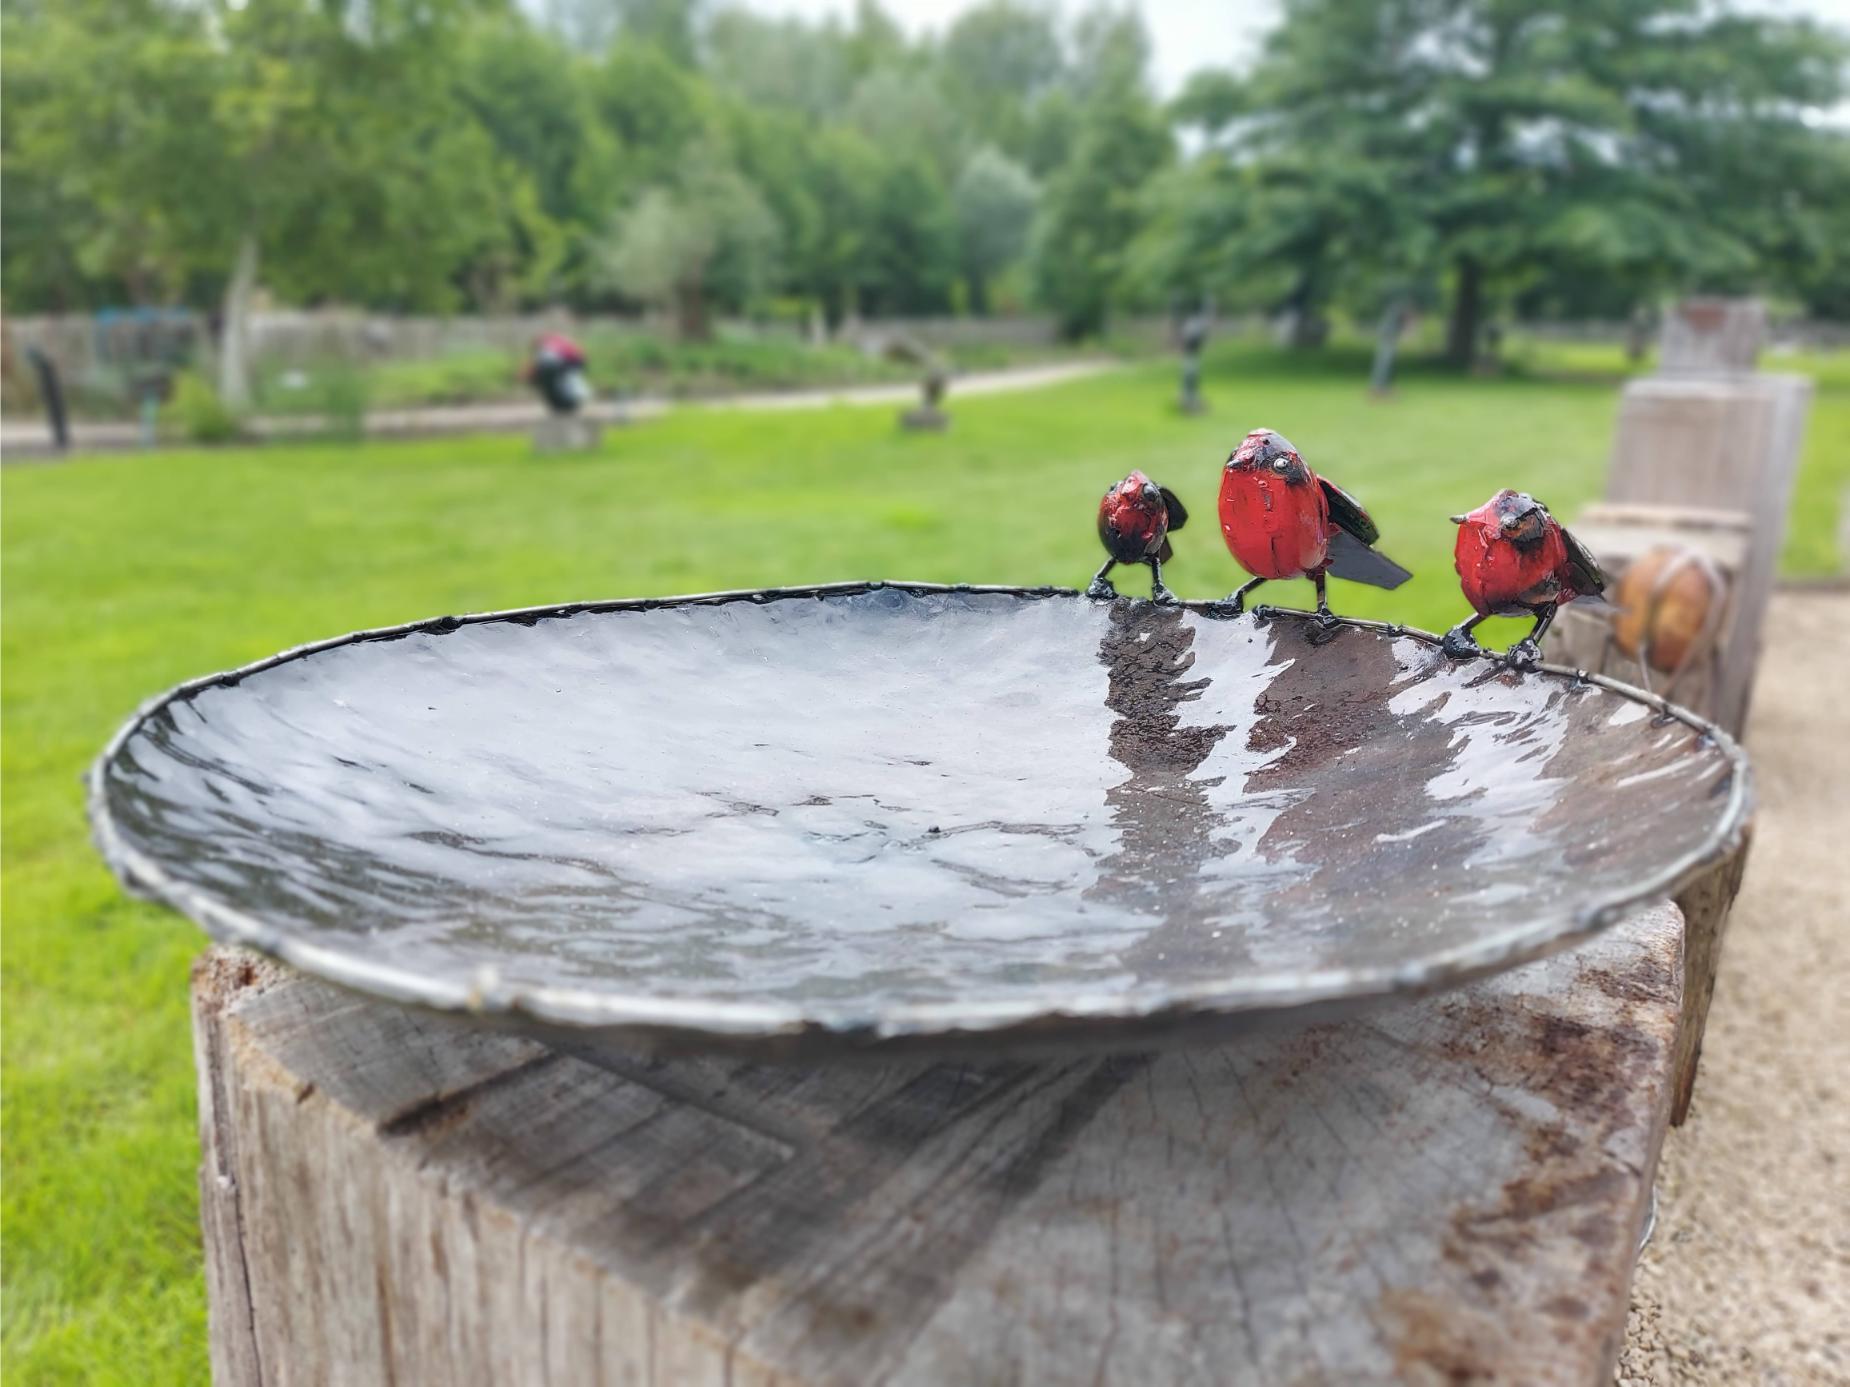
1281, 520
1134, 521
1515, 559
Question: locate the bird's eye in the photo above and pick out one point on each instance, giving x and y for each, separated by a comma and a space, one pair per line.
1280, 465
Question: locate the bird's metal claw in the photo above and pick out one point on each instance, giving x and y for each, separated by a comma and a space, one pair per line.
1328, 619
1101, 590
1525, 654
1458, 645
1163, 597
1227, 606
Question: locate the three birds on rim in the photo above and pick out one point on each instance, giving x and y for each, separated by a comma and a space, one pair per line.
1281, 520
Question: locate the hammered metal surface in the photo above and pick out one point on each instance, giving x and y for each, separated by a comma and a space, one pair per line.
898, 813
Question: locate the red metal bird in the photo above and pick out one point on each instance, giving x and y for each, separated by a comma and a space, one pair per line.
1515, 559
1281, 520
1134, 521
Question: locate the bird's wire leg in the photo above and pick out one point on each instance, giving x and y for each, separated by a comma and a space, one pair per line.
1527, 652
1459, 643
1235, 602
1101, 588
1159, 593
1325, 617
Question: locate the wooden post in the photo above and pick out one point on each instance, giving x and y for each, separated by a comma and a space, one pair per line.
1712, 336
1705, 454
1724, 444
1447, 1190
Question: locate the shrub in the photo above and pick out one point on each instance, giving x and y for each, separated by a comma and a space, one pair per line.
196, 410
341, 394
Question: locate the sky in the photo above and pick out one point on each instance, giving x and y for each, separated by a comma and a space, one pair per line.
1192, 34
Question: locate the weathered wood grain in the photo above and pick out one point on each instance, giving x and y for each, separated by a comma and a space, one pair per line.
1447, 1191
1705, 905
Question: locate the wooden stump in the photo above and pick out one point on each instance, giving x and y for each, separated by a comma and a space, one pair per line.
1449, 1190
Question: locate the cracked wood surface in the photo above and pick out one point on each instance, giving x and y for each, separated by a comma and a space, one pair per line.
1447, 1191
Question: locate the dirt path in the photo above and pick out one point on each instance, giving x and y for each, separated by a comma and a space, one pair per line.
1747, 1279
28, 437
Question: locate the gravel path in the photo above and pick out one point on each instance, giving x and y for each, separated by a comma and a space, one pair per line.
29, 437
1747, 1279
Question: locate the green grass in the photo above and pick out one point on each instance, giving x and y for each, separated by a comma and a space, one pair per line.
126, 574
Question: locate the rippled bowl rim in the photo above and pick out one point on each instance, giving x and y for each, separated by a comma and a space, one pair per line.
690, 1021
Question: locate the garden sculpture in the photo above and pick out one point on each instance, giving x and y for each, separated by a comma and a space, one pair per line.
1515, 559
1134, 521
557, 371
53, 394
1194, 334
1281, 520
928, 417
1671, 602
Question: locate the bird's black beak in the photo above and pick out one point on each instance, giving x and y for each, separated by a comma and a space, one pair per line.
1459, 519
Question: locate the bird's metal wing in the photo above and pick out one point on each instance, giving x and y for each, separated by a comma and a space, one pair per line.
1354, 560
1178, 513
1347, 514
1589, 579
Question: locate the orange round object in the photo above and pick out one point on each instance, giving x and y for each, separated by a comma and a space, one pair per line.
1670, 604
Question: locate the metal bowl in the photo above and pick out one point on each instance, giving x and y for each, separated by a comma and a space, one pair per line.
872, 816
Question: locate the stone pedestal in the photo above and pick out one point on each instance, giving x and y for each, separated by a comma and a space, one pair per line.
567, 433
925, 419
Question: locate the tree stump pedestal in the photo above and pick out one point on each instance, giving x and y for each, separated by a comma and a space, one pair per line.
1448, 1190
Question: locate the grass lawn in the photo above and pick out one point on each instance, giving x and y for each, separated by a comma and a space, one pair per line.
126, 574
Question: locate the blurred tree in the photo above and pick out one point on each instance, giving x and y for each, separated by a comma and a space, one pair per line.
1819, 273
911, 248
653, 107
706, 236
875, 40
1048, 140
1257, 227
1642, 140
1092, 206
1111, 52
904, 112
780, 63
532, 97
313, 142
994, 199
84, 222
582, 26
843, 176
999, 60
671, 27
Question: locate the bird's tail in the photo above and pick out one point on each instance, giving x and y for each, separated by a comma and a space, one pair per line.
1354, 560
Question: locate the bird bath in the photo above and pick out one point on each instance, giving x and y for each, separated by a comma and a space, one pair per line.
870, 816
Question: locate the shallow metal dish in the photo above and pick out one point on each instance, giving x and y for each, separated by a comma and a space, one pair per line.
819, 821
